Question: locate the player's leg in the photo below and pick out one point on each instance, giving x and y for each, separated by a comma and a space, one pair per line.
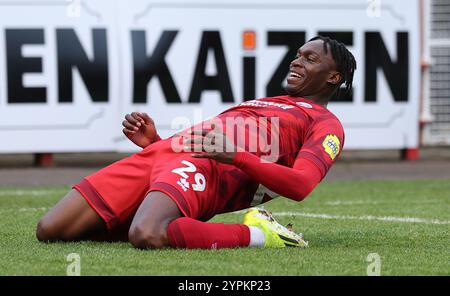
183, 195
158, 223
102, 205
259, 229
149, 226
70, 219
188, 233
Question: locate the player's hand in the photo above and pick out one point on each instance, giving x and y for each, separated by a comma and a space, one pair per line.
213, 142
139, 128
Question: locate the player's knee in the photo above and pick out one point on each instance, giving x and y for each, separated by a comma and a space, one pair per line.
145, 237
45, 231
48, 231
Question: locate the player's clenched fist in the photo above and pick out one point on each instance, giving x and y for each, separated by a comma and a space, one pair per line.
140, 129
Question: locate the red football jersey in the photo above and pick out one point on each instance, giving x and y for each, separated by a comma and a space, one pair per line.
304, 130
300, 128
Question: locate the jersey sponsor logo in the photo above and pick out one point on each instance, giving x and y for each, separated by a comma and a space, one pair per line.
306, 105
331, 145
256, 103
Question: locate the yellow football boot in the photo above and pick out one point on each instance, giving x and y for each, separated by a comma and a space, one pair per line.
276, 235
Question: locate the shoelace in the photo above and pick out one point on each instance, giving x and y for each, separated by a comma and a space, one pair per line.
288, 231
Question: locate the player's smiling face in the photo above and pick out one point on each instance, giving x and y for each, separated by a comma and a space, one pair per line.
311, 71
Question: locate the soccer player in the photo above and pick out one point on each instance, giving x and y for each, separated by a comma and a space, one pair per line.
163, 195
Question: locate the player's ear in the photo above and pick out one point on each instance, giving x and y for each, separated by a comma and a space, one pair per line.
334, 77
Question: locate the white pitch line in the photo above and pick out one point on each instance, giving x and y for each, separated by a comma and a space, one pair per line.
350, 202
307, 215
23, 210
32, 209
26, 192
370, 202
366, 218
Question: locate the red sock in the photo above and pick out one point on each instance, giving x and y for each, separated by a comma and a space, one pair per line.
193, 234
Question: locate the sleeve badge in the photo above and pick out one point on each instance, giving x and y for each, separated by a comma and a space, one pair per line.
331, 145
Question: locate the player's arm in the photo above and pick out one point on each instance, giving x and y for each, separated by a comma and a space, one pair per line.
317, 155
140, 128
294, 183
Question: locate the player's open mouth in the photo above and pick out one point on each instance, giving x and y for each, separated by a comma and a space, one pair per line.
294, 78
294, 75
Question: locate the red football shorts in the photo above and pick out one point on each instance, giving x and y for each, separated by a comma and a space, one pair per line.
200, 187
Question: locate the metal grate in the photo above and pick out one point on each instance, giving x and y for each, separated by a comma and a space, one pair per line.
438, 132
440, 19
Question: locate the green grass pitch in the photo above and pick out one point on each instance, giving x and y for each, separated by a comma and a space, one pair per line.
407, 223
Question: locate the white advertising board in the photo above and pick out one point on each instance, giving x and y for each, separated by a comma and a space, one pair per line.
70, 70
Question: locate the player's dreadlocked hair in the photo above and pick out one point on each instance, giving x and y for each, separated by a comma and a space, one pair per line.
345, 62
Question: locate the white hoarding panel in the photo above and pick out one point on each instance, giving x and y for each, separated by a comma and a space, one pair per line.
58, 81
183, 62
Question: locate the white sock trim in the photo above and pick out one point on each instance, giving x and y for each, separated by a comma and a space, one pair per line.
257, 237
